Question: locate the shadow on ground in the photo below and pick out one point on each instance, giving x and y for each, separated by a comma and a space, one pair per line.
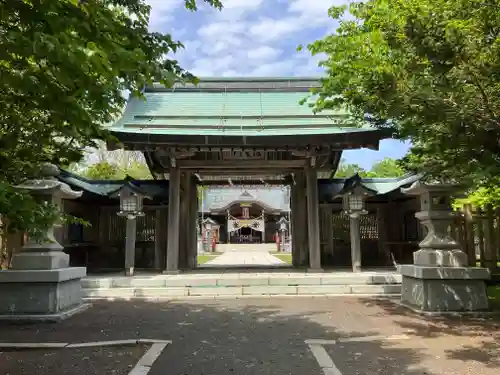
481, 336
253, 336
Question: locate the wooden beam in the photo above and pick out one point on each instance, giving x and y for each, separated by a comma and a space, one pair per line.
240, 164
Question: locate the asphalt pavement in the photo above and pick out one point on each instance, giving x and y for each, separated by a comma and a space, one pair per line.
295, 336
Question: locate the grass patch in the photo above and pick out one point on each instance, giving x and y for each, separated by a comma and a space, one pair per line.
285, 257
494, 296
204, 258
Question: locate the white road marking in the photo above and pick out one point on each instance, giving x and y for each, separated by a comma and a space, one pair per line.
102, 343
65, 345
142, 367
146, 362
33, 345
326, 362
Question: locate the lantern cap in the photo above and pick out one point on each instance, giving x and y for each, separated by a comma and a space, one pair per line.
131, 186
210, 221
419, 188
354, 185
283, 220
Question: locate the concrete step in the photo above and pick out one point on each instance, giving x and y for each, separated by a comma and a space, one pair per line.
264, 247
171, 286
238, 291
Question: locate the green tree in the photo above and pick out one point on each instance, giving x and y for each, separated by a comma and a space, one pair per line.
429, 70
347, 170
103, 171
386, 168
64, 65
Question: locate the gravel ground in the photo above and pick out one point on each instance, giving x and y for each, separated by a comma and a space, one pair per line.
88, 361
267, 336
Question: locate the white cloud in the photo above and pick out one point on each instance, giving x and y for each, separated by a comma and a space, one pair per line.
316, 7
248, 37
268, 29
215, 30
235, 9
160, 17
263, 53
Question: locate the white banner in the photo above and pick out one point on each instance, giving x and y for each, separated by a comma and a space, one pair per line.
256, 224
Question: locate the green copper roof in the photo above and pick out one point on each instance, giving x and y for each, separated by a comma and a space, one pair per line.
106, 188
232, 107
330, 189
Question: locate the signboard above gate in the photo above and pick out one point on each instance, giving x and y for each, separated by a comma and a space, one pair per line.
244, 155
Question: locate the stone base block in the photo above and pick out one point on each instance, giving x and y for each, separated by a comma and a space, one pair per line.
36, 260
444, 289
440, 258
41, 294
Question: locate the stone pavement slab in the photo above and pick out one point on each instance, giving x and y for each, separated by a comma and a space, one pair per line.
268, 336
244, 258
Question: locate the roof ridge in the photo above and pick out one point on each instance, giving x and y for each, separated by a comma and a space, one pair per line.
375, 179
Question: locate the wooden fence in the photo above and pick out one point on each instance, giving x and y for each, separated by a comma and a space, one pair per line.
478, 232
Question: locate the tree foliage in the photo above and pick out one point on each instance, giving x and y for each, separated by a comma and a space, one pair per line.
105, 170
64, 65
385, 168
429, 70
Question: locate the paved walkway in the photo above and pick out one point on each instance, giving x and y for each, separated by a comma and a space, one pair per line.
245, 258
262, 336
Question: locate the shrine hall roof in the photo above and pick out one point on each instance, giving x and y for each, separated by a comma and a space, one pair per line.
330, 189
216, 198
233, 107
155, 189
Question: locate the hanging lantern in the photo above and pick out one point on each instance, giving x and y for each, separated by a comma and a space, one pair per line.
353, 203
131, 200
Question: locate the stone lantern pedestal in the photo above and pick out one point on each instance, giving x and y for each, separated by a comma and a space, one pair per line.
439, 281
40, 285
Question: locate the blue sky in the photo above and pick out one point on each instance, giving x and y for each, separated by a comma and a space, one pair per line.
256, 38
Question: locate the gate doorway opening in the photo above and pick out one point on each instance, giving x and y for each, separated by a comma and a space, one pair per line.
244, 228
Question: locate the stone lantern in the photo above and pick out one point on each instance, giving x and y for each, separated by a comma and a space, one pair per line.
131, 204
439, 280
282, 229
354, 195
209, 226
40, 285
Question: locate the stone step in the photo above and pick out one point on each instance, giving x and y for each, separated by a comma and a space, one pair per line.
242, 284
239, 280
239, 291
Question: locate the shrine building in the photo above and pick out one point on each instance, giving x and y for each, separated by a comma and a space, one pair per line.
256, 155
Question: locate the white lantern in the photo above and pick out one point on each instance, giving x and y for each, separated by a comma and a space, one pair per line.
353, 203
208, 226
131, 203
283, 224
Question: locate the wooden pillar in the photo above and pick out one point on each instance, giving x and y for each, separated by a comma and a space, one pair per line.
480, 235
103, 229
159, 244
383, 251
469, 235
294, 225
302, 222
355, 243
329, 228
192, 248
313, 219
490, 249
264, 227
130, 236
172, 263
184, 219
